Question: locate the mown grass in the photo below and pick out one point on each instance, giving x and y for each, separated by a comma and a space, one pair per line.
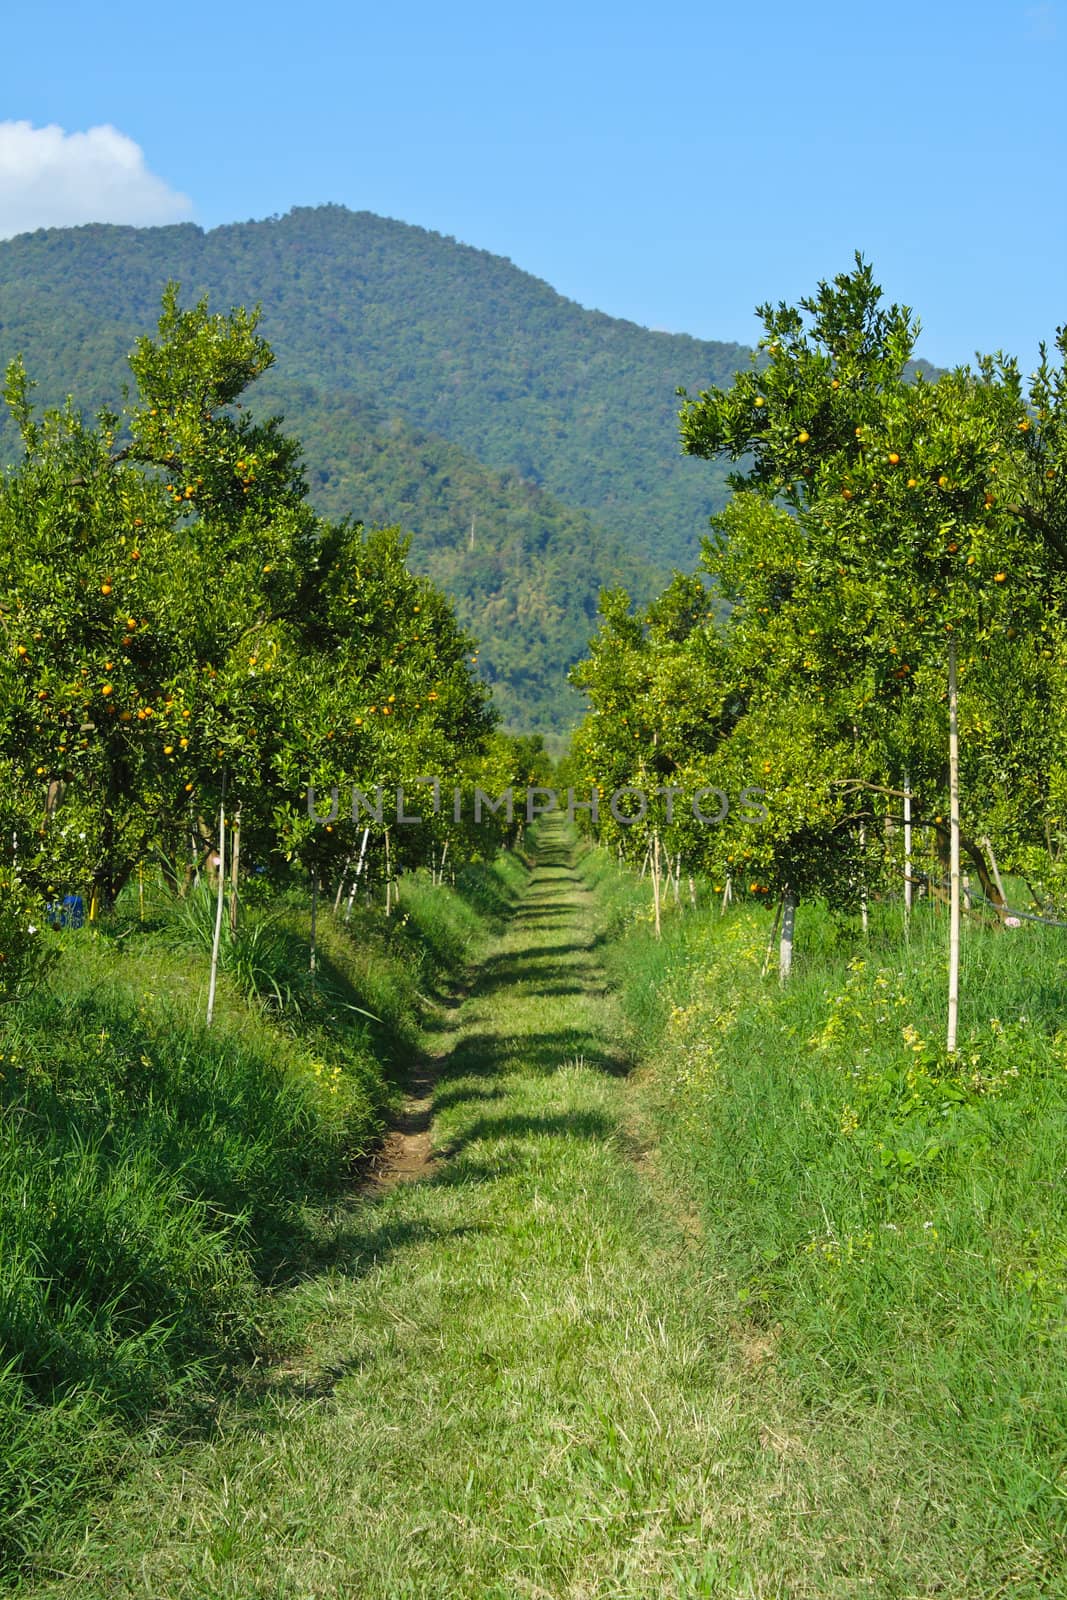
510, 1382
890, 1224
157, 1177
576, 1362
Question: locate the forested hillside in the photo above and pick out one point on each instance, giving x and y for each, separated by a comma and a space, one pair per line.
410, 364
523, 569
455, 339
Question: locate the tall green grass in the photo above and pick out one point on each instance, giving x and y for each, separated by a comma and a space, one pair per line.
890, 1223
157, 1176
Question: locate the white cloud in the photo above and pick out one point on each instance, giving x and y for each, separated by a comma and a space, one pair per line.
53, 179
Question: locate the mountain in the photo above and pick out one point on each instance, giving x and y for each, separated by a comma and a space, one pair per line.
524, 570
410, 364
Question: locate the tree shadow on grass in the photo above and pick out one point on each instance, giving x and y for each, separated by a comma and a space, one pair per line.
484, 1054
550, 1125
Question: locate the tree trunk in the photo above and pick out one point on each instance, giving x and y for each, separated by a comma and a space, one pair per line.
773, 935
785, 949
988, 843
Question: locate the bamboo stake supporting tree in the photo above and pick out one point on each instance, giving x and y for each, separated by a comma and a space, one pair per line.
954, 853
314, 918
342, 880
655, 885
907, 851
864, 919
219, 900
358, 872
235, 861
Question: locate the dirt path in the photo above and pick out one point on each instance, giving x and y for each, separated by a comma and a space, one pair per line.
511, 1385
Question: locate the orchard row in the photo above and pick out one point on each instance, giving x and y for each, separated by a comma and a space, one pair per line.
885, 528
184, 639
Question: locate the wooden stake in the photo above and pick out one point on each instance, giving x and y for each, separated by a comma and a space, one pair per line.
655, 885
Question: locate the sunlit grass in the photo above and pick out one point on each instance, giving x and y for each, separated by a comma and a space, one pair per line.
893, 1222
156, 1176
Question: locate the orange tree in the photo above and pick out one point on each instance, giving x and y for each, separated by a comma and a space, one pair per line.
385, 697
878, 522
660, 704
178, 623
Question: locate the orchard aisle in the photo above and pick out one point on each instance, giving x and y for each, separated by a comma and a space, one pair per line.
513, 1382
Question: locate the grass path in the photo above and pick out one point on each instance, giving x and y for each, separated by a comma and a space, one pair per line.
515, 1380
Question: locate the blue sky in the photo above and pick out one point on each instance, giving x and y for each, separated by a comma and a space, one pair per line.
674, 166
